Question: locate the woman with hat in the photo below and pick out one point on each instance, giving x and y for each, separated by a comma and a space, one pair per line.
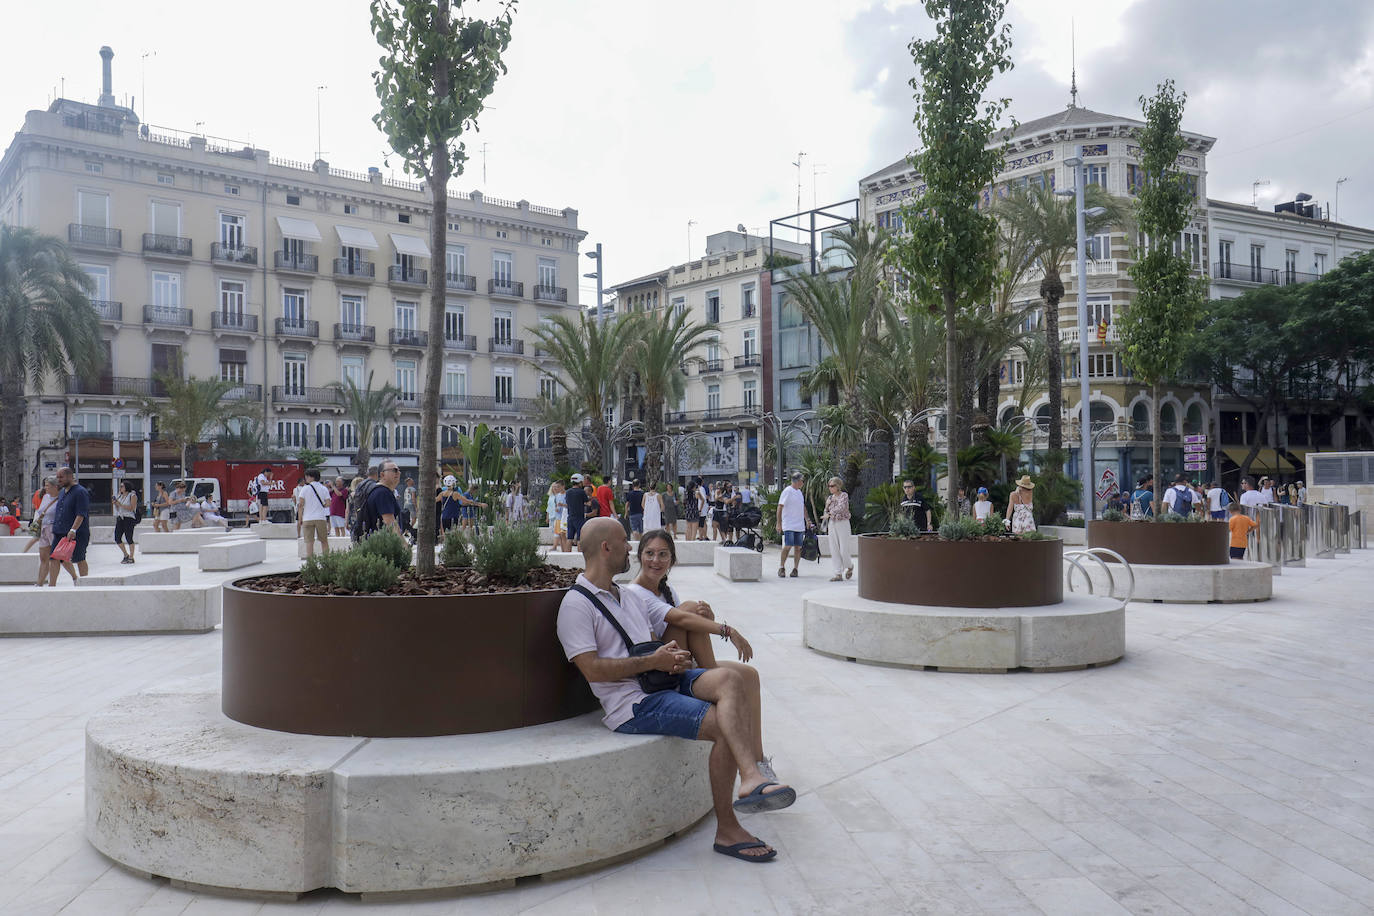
1020, 517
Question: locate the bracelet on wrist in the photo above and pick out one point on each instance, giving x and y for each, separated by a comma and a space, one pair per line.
725, 631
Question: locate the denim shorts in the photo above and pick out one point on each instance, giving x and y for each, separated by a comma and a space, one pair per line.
670, 712
792, 538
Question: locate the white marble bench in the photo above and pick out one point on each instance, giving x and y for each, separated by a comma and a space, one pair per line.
286, 813
1238, 580
739, 564
334, 544
133, 575
116, 610
187, 540
232, 552
273, 531
19, 568
15, 543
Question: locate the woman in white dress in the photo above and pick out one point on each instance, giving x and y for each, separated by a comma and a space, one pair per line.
653, 509
1020, 514
46, 513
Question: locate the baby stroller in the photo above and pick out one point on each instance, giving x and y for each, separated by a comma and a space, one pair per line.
743, 521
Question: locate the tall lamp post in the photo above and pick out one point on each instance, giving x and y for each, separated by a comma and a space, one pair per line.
1085, 460
599, 276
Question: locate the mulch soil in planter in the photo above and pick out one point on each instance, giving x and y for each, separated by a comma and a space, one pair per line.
444, 581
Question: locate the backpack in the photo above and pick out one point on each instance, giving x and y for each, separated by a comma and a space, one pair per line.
253, 488
1183, 501
1225, 499
364, 519
138, 511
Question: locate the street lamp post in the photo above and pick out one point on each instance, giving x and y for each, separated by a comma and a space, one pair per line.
780, 428
1085, 460
76, 450
599, 276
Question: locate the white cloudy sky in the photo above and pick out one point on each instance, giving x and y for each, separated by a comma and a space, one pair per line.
647, 115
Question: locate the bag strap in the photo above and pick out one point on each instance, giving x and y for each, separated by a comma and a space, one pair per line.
629, 644
319, 499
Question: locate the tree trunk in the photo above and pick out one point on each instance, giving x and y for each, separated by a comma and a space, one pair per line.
439, 170
365, 451
12, 436
968, 385
951, 401
558, 438
653, 442
596, 448
1052, 290
1154, 448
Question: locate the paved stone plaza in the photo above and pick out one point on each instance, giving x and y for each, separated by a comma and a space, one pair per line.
1225, 765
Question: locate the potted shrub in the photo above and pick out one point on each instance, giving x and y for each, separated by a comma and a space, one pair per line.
966, 563
357, 644
1167, 540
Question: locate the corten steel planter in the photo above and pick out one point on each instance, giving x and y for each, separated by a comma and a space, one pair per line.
1007, 572
397, 667
1164, 543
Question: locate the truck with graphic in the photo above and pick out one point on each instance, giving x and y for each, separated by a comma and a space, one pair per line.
227, 483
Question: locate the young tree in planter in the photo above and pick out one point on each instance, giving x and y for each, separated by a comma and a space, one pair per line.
191, 409
433, 81
368, 408
1157, 324
950, 253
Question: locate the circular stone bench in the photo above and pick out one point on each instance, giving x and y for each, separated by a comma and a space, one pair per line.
1238, 580
1083, 631
176, 789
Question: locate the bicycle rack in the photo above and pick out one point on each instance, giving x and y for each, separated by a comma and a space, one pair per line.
1095, 554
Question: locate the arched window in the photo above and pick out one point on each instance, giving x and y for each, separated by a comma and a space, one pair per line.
1192, 420
1042, 417
1168, 419
1140, 418
1007, 416
1099, 412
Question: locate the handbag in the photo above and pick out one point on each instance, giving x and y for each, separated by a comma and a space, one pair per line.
63, 549
811, 546
649, 681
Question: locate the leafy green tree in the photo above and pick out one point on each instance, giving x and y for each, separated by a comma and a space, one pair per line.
663, 340
310, 458
1338, 311
1155, 327
484, 457
909, 358
1049, 225
560, 414
949, 255
193, 410
244, 438
433, 81
47, 326
368, 408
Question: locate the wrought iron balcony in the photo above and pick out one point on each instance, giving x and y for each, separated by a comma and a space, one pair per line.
234, 321
116, 386
748, 360
107, 310
712, 365
94, 236
408, 399
541, 353
297, 327
310, 397
296, 263
505, 345
408, 337
746, 416
359, 333
550, 294
1264, 276
460, 282
472, 403
170, 245
243, 393
167, 316
344, 267
508, 288
245, 255
461, 342
416, 276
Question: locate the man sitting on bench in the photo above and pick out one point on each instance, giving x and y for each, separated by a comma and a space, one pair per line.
707, 704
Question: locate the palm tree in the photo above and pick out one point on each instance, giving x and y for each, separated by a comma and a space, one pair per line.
1049, 225
593, 357
47, 325
192, 409
910, 359
367, 407
664, 340
559, 415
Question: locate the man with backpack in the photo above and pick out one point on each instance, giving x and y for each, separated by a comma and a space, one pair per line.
1179, 497
377, 507
259, 489
1217, 500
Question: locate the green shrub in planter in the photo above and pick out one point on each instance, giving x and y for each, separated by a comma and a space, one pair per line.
992, 526
1035, 536
903, 526
350, 570
1113, 515
456, 551
961, 529
1173, 518
386, 544
507, 553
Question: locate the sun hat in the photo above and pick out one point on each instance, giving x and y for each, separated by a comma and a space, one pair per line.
982, 491
450, 481
1025, 482
577, 478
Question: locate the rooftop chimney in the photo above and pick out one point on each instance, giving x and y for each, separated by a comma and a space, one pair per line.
107, 99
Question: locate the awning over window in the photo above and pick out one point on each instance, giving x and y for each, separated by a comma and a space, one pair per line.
410, 244
356, 238
1266, 461
303, 229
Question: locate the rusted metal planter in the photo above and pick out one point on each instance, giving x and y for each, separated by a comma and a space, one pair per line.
397, 667
1007, 572
1164, 544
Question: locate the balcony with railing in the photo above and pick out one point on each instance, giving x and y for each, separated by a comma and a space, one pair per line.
101, 237
243, 392
297, 327
116, 386
1251, 275
355, 333
509, 289
408, 337
169, 246
411, 276
296, 263
1070, 335
747, 416
461, 342
557, 294
460, 283
710, 366
241, 255
409, 400
234, 322
166, 316
748, 361
307, 397
107, 310
348, 267
505, 345
473, 403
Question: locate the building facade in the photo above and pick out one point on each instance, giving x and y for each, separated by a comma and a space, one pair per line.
283, 277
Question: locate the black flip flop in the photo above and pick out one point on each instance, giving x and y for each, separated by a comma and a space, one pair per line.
758, 800
737, 851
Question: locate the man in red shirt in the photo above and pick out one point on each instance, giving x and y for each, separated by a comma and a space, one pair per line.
605, 497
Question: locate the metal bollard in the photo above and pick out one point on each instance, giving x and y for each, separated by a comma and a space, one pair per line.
1342, 522
1318, 545
1269, 538
1357, 538
1293, 531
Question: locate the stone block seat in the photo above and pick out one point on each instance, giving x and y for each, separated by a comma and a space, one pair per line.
284, 813
273, 531
138, 574
14, 543
187, 540
232, 552
342, 543
109, 610
19, 568
739, 564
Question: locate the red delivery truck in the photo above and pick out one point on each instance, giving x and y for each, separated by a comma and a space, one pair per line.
226, 482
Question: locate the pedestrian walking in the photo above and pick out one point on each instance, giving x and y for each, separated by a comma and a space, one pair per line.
914, 506
408, 508
575, 499
1179, 497
557, 511
793, 520
73, 522
691, 512
338, 508
1020, 507
982, 508
1241, 525
653, 509
162, 508
315, 502
668, 496
125, 505
1217, 501
1143, 498
45, 515
1250, 495
836, 517
634, 507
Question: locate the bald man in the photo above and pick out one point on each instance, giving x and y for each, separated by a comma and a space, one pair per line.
707, 705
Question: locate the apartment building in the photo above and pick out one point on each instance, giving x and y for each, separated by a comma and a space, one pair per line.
221, 260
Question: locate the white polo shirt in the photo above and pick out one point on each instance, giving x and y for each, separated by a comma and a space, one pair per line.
582, 628
314, 498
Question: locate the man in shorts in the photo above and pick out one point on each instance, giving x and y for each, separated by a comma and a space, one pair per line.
576, 498
793, 519
72, 520
707, 705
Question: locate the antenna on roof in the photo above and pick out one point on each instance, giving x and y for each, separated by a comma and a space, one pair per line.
1073, 64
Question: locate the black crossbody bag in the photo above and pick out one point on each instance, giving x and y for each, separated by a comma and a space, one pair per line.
649, 681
